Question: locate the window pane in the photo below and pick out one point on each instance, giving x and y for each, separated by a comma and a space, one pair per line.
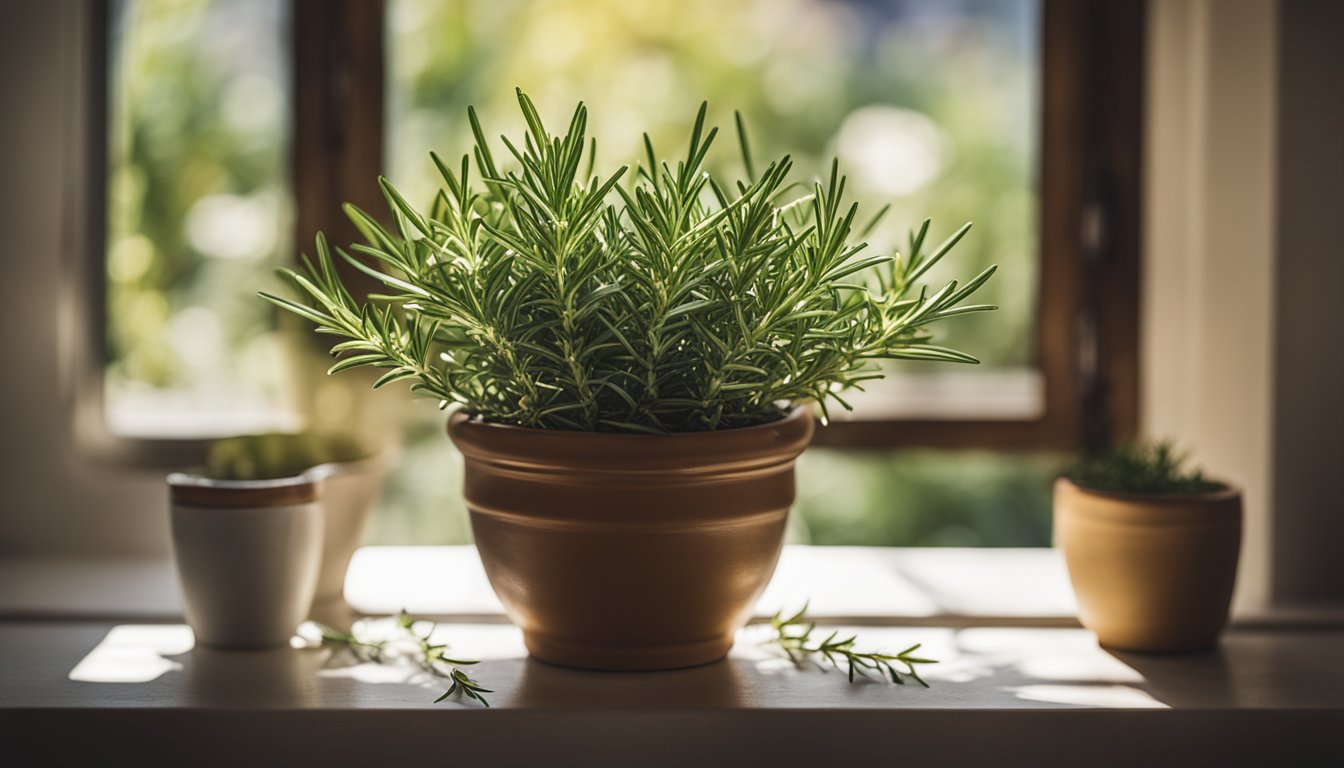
908, 498
930, 105
923, 498
199, 215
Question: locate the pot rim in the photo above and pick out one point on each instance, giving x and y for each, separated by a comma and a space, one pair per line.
194, 490
475, 420
1228, 491
190, 479
553, 449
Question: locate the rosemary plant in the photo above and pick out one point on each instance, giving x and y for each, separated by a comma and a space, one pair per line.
662, 300
795, 635
1145, 468
430, 658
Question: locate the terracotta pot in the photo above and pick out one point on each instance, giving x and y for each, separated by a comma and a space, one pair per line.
1151, 573
629, 552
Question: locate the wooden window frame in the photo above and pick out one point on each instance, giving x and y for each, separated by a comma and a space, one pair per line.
1086, 331
339, 120
1086, 338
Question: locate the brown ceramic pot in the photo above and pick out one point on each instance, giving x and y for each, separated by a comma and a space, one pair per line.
1151, 573
629, 552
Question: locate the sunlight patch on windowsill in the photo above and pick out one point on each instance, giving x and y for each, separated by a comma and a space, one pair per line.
975, 668
995, 394
1099, 696
134, 653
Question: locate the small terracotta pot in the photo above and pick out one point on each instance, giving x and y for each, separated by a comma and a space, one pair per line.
629, 552
1151, 573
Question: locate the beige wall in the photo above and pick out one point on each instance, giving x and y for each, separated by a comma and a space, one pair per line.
1208, 267
1244, 258
51, 500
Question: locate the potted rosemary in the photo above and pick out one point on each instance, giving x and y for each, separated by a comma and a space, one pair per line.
634, 358
1151, 548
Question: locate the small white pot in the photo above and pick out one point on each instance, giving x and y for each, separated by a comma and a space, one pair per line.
248, 554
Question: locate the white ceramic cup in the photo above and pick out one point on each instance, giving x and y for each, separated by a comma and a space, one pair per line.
248, 554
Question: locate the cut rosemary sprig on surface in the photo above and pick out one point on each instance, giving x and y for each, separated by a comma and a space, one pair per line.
795, 635
429, 657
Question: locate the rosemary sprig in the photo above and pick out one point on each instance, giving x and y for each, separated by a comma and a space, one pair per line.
795, 635
1148, 468
429, 657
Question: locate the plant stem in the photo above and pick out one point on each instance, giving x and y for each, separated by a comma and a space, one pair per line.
795, 635
429, 657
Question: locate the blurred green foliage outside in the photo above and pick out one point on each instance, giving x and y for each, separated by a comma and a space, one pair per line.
930, 106
199, 214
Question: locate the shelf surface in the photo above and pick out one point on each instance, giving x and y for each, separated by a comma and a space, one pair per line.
942, 586
1015, 677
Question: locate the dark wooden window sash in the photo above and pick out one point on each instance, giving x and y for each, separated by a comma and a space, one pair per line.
338, 121
337, 48
1086, 343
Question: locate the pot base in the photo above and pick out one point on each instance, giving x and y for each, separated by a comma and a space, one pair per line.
1163, 649
625, 658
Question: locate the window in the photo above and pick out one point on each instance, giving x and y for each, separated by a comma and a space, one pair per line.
199, 206
990, 111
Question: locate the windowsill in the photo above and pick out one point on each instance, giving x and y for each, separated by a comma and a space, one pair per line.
858, 584
1013, 669
948, 587
991, 394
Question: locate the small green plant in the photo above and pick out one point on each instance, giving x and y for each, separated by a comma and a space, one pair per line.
550, 297
411, 643
1144, 468
795, 635
274, 455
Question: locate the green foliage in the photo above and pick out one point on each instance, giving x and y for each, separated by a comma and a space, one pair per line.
554, 298
1145, 468
430, 658
795, 635
923, 498
180, 165
272, 455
